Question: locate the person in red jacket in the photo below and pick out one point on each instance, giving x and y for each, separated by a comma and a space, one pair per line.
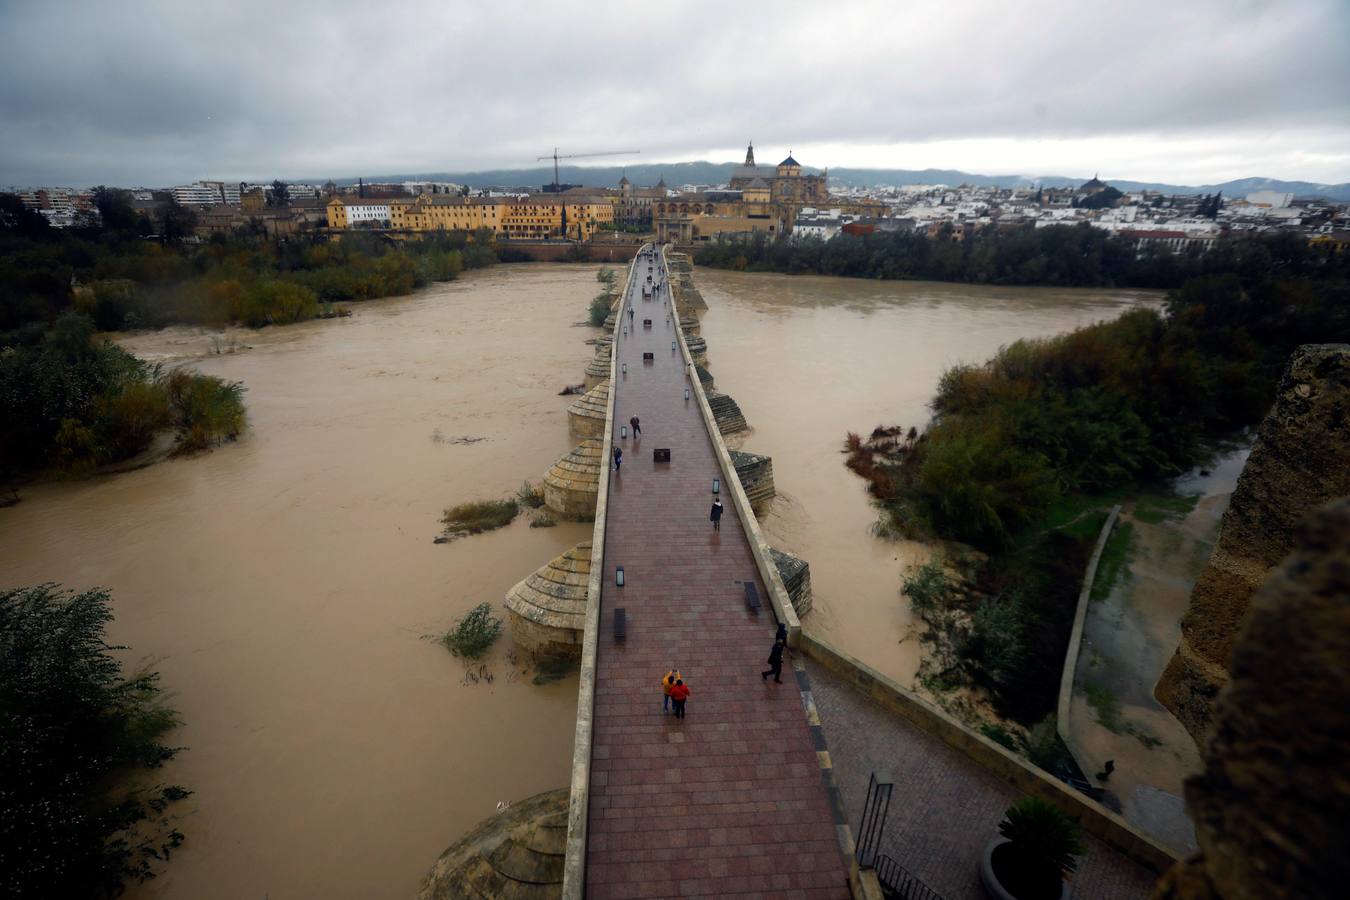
678, 694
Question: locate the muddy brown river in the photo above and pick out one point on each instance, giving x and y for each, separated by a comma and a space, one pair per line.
284, 585
810, 359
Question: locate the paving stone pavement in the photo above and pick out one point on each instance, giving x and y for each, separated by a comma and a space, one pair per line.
729, 801
944, 808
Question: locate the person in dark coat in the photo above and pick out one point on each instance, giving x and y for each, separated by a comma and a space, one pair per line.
618, 458
716, 515
775, 663
637, 425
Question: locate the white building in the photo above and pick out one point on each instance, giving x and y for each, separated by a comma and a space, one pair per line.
360, 210
199, 194
1272, 199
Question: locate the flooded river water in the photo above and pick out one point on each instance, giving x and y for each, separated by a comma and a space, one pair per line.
283, 584
811, 358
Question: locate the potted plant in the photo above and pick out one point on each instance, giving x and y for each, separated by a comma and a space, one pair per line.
1038, 848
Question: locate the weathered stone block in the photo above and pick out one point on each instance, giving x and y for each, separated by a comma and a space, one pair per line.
586, 415
1300, 460
796, 575
756, 475
572, 485
548, 608
1272, 806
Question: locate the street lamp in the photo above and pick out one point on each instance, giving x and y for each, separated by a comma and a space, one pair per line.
618, 576
717, 485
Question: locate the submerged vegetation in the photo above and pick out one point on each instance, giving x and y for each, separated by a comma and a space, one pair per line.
75, 734
604, 301
472, 635
71, 402
478, 517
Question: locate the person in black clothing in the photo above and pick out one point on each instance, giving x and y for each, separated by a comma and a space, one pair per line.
775, 663
618, 458
716, 515
637, 425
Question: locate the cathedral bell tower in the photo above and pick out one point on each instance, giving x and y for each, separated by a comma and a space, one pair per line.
750, 154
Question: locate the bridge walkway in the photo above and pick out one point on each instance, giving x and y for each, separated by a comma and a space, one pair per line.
729, 801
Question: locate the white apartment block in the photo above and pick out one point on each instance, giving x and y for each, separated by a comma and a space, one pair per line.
361, 211
197, 194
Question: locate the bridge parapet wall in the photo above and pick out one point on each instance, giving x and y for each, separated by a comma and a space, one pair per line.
578, 805
759, 547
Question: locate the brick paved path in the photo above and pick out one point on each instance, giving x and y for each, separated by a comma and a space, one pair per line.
728, 802
944, 808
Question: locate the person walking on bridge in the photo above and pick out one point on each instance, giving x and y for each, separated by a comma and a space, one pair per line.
630, 313
618, 457
716, 515
678, 694
775, 663
666, 684
637, 425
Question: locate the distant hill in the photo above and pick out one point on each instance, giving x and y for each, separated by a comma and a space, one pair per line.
676, 174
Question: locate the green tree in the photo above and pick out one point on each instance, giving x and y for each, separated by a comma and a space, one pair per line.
178, 221
75, 729
118, 215
280, 194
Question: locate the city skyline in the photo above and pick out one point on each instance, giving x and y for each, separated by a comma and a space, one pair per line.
151, 93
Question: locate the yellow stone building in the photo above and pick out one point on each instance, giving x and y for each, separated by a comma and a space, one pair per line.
511, 218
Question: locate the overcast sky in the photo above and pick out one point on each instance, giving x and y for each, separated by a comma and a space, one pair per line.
1181, 91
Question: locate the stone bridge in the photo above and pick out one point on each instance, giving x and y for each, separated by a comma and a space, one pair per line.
732, 799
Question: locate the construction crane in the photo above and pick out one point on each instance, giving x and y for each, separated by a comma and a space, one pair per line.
557, 184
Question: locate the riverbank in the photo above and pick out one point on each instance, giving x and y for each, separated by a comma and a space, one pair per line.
284, 584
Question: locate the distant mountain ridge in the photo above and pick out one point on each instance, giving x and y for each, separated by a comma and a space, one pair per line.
719, 173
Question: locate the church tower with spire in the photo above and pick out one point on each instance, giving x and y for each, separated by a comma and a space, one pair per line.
750, 154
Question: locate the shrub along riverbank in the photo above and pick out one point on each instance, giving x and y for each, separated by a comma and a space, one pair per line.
72, 403
1024, 448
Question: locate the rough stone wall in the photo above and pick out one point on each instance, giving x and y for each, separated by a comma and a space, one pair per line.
572, 485
727, 412
1272, 806
1300, 460
597, 370
796, 575
517, 853
586, 415
543, 640
756, 475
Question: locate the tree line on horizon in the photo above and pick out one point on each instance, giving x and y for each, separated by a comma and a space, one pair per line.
1055, 256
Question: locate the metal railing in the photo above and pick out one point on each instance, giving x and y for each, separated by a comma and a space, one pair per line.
897, 882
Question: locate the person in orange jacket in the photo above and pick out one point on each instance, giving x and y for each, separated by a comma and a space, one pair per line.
666, 684
678, 694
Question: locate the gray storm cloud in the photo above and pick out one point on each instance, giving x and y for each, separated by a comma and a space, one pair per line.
140, 92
